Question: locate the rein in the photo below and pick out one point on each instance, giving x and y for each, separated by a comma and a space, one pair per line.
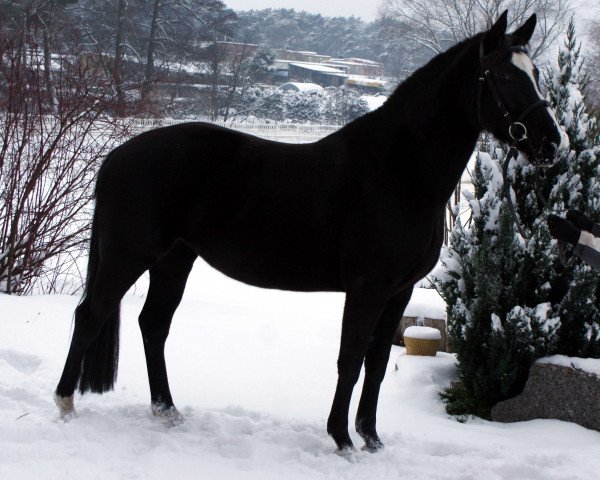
518, 133
513, 153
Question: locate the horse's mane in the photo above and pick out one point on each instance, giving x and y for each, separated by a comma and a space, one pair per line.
409, 93
433, 69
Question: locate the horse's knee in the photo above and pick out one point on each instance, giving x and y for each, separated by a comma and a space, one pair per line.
349, 366
376, 366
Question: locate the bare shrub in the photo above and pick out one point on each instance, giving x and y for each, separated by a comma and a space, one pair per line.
48, 157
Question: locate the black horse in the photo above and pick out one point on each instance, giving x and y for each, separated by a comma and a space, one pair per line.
360, 211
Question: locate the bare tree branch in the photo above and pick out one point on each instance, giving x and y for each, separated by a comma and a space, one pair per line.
438, 24
48, 162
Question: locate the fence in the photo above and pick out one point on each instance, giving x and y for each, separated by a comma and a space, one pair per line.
285, 132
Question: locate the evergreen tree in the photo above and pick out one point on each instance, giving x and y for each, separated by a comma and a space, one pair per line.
511, 299
336, 106
578, 187
344, 105
304, 107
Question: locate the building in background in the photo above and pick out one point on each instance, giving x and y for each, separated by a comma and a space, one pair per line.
310, 67
317, 73
301, 56
358, 66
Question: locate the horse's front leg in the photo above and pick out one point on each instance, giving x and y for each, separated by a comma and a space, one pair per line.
361, 314
376, 361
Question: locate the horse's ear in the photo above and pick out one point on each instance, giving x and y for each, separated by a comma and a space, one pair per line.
494, 37
523, 34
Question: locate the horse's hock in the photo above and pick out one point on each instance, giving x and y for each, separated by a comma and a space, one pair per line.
555, 392
437, 323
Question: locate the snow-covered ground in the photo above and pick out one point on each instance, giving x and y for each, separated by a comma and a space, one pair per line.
253, 371
426, 303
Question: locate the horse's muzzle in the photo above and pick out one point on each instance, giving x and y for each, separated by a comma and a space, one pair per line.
546, 155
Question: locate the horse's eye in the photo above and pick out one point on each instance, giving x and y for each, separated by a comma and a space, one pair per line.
504, 76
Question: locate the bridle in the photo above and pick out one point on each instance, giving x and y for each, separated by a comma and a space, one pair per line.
517, 130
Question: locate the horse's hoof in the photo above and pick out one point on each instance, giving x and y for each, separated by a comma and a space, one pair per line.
348, 453
372, 441
66, 406
170, 416
373, 446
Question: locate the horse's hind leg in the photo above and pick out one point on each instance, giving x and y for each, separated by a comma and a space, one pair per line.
376, 361
93, 354
167, 283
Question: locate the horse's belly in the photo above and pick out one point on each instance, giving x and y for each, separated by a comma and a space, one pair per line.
269, 265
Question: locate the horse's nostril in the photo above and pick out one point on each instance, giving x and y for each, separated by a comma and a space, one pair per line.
549, 149
546, 155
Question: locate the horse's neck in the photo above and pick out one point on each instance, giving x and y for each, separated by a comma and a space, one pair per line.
433, 126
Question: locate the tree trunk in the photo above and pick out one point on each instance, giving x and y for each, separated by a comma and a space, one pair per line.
118, 66
47, 66
149, 72
215, 80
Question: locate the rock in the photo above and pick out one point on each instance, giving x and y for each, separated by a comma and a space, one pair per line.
438, 324
556, 392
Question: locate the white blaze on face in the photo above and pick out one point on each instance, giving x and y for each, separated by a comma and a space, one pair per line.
522, 61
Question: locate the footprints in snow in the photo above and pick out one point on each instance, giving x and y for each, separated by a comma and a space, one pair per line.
15, 369
22, 362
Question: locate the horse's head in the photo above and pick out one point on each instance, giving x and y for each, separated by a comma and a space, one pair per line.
510, 104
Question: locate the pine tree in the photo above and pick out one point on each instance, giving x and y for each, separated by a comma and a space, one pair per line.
498, 307
578, 186
512, 299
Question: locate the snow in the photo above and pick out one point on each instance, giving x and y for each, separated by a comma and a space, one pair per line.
422, 333
497, 323
301, 86
318, 68
374, 101
589, 365
253, 371
426, 303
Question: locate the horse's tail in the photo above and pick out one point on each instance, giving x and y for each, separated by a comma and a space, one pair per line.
99, 366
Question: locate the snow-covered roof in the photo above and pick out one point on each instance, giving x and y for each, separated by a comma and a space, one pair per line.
356, 61
301, 87
350, 63
316, 67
